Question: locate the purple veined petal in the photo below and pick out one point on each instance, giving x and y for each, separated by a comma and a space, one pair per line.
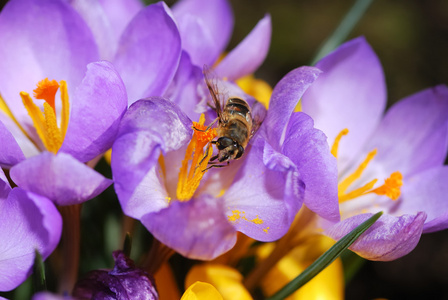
427, 191
96, 110
50, 296
263, 200
183, 90
286, 95
205, 27
40, 39
10, 151
98, 22
149, 52
307, 147
249, 54
389, 238
148, 129
350, 93
29, 222
196, 229
60, 178
413, 135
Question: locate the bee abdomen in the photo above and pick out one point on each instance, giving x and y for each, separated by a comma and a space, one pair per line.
237, 106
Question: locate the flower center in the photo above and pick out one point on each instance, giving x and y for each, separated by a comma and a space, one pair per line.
390, 188
45, 122
195, 161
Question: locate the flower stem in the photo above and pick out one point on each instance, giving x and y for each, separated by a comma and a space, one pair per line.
70, 243
156, 257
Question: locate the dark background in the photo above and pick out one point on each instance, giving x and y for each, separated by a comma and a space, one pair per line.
411, 40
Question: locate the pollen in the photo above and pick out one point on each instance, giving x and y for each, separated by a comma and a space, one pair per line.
51, 134
195, 161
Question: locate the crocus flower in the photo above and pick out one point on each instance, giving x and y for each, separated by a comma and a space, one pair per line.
46, 148
198, 213
143, 43
29, 223
405, 147
124, 281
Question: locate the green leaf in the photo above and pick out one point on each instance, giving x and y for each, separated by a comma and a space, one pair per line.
127, 245
325, 259
39, 281
343, 30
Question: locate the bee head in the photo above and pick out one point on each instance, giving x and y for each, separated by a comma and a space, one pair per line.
228, 149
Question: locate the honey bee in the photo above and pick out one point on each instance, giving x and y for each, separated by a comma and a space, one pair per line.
236, 125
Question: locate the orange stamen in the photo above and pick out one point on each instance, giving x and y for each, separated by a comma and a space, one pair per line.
195, 161
46, 90
335, 147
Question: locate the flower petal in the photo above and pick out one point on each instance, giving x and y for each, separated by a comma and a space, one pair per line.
245, 58
5, 188
389, 238
307, 147
96, 110
427, 191
201, 291
10, 152
149, 128
413, 135
196, 229
285, 96
205, 27
40, 39
265, 195
61, 178
148, 53
351, 93
29, 222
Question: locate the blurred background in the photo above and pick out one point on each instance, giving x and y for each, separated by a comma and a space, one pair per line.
411, 40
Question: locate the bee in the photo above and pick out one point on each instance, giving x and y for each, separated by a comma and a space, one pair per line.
236, 125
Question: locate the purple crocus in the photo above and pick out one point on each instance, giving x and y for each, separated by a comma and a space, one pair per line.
46, 146
406, 147
29, 222
143, 43
198, 213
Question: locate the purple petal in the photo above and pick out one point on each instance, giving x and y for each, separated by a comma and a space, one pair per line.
389, 238
183, 90
149, 128
96, 110
428, 192
307, 147
29, 222
350, 93
61, 178
5, 188
196, 229
413, 135
149, 52
205, 27
120, 13
266, 194
285, 96
10, 152
249, 54
50, 296
40, 39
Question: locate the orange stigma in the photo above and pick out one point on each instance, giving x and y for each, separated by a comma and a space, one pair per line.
46, 90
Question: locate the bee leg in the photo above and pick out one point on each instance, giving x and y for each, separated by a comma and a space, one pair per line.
216, 166
208, 127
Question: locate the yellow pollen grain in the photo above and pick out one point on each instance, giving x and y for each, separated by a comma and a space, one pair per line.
257, 220
335, 147
266, 229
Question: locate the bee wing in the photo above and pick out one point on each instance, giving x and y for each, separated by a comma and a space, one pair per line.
212, 85
258, 115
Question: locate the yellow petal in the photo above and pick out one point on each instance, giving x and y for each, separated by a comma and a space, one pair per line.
227, 280
201, 291
329, 284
